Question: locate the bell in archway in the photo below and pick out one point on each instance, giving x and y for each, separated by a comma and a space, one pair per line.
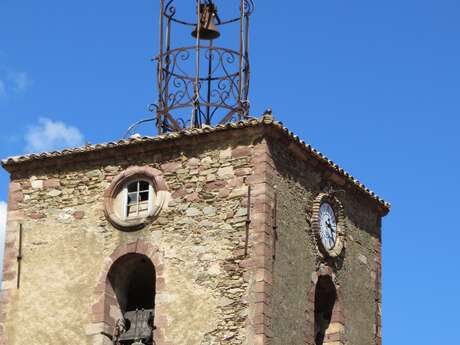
207, 26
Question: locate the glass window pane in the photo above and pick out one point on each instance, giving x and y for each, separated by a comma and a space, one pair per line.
132, 210
143, 196
143, 186
132, 187
138, 195
133, 198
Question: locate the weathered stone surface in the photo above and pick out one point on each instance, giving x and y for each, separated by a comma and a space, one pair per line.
54, 193
37, 184
362, 258
51, 183
209, 291
69, 240
295, 262
193, 212
226, 172
238, 192
210, 211
79, 215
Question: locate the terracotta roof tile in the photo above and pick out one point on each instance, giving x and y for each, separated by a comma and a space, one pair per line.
266, 120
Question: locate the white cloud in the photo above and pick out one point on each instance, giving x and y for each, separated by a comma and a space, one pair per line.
12, 81
2, 233
51, 135
20, 80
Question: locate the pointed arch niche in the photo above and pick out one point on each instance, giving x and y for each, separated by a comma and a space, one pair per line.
132, 280
324, 314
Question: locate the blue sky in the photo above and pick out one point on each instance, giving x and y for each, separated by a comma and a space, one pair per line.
373, 85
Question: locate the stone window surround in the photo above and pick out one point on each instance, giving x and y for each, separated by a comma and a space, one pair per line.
160, 199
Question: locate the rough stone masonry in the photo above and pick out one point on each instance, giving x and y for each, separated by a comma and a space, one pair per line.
221, 277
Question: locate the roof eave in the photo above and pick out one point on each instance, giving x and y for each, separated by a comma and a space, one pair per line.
14, 163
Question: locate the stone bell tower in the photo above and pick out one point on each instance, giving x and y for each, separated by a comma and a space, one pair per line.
222, 229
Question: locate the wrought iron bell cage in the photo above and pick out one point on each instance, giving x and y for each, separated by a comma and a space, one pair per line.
201, 83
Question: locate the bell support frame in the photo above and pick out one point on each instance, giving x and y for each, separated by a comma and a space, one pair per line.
201, 84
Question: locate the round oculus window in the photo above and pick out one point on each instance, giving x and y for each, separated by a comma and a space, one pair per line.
135, 198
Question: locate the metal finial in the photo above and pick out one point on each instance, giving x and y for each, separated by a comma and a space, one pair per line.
268, 115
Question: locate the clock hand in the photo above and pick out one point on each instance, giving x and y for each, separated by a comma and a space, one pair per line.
330, 226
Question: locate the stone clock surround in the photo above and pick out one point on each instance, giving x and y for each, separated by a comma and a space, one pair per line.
337, 206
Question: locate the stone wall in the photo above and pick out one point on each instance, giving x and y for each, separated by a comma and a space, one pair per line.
359, 276
221, 277
295, 183
68, 242
296, 267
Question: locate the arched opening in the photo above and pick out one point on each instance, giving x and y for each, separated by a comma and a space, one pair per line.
132, 280
325, 299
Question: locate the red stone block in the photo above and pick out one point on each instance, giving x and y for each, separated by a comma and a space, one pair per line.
131, 247
260, 339
247, 263
171, 167
160, 284
79, 215
37, 215
241, 151
333, 337
51, 183
14, 187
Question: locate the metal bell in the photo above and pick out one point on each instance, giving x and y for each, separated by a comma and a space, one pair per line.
207, 26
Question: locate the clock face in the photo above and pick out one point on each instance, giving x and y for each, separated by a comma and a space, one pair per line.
328, 226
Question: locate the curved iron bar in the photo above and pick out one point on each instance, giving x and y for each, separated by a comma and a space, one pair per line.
201, 47
228, 55
170, 9
178, 96
170, 12
201, 79
210, 56
249, 7
212, 105
235, 85
183, 55
182, 82
136, 124
222, 94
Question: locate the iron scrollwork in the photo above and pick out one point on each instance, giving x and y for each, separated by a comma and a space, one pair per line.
201, 84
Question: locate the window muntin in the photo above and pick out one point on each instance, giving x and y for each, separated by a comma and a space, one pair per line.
138, 199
